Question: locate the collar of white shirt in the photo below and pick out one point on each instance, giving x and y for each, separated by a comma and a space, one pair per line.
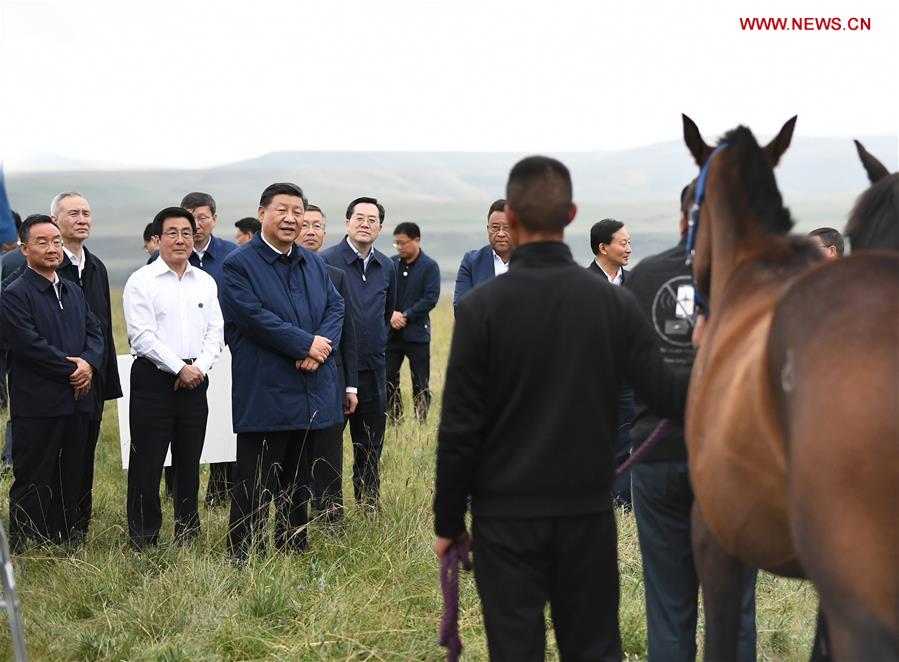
159, 267
74, 259
289, 250
201, 252
615, 280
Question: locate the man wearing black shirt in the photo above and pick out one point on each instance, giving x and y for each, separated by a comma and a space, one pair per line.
529, 425
662, 496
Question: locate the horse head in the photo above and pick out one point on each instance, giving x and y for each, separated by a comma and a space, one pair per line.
874, 221
738, 201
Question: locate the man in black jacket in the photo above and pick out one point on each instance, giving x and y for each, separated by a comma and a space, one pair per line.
662, 496
417, 291
528, 430
56, 349
72, 213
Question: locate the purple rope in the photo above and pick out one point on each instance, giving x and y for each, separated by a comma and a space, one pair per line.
644, 448
449, 583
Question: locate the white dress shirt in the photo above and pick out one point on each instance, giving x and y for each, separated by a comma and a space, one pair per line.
171, 319
499, 267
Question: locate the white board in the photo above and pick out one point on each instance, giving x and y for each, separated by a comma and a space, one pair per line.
221, 442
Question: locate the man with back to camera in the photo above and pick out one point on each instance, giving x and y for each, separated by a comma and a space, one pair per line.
175, 328
283, 319
55, 348
488, 261
611, 245
537, 462
662, 496
327, 453
72, 213
829, 242
417, 291
372, 282
246, 228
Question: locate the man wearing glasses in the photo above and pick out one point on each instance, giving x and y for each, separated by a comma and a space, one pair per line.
209, 254
175, 328
489, 261
372, 282
327, 454
56, 349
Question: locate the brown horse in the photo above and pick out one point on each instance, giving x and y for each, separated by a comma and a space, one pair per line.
792, 423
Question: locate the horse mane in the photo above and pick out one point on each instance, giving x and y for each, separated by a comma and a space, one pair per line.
874, 221
759, 184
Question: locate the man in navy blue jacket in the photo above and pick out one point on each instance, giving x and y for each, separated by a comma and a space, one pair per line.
417, 291
56, 347
327, 456
283, 316
372, 281
209, 255
488, 261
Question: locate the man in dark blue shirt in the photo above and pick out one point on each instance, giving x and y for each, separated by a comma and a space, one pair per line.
372, 281
209, 254
56, 347
417, 291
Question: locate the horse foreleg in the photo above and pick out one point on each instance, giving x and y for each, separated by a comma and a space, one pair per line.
722, 577
821, 648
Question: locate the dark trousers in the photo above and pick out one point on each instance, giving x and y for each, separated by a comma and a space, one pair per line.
621, 488
47, 467
161, 415
570, 562
86, 498
367, 425
218, 488
270, 466
419, 354
327, 473
663, 500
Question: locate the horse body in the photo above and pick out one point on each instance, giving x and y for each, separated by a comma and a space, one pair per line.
841, 425
792, 423
736, 446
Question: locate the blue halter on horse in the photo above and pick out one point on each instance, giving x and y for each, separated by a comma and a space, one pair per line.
693, 225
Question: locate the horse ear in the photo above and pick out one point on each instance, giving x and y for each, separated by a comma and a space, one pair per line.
778, 146
875, 169
695, 143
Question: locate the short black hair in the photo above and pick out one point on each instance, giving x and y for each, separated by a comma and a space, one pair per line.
687, 195
366, 200
830, 237
281, 188
498, 205
248, 224
196, 200
601, 233
409, 229
30, 222
539, 190
17, 220
312, 207
172, 212
148, 232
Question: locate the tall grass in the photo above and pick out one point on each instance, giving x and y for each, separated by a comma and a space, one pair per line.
369, 591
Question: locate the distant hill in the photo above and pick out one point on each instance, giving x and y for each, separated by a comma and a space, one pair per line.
447, 193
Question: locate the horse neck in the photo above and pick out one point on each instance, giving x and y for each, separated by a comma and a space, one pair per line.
734, 247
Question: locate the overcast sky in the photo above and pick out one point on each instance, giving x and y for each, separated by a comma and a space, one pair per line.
197, 84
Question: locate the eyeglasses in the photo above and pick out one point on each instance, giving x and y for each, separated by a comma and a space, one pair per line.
402, 244
172, 235
203, 219
318, 227
496, 229
43, 243
371, 222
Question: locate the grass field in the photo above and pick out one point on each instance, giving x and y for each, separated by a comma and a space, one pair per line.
369, 592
